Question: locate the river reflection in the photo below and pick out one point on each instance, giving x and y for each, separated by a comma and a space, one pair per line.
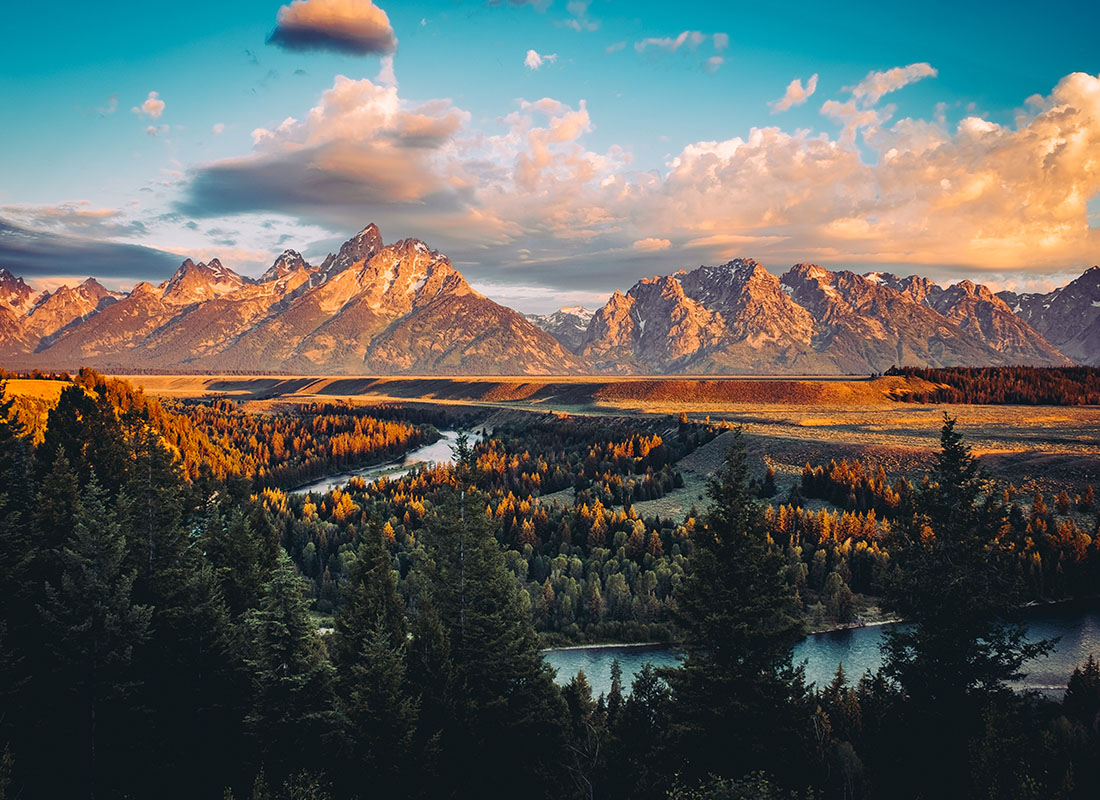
1076, 625
437, 452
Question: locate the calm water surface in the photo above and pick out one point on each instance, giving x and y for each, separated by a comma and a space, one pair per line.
436, 453
1078, 626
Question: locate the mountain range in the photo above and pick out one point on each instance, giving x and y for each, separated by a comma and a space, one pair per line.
402, 308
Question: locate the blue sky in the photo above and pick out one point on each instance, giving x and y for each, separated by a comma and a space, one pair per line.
953, 140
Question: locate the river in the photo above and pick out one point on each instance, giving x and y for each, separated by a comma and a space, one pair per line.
437, 452
857, 649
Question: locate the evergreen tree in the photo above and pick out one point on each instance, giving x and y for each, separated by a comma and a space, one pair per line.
502, 703
238, 553
16, 592
92, 626
292, 716
369, 657
1082, 699
955, 586
736, 696
88, 428
640, 757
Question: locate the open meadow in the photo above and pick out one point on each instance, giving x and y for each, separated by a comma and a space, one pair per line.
788, 421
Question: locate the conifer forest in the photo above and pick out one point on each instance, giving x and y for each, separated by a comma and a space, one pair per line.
178, 621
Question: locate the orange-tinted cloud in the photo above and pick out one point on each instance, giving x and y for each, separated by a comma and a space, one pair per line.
796, 94
973, 195
354, 27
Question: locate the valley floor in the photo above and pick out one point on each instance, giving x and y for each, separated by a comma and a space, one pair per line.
787, 421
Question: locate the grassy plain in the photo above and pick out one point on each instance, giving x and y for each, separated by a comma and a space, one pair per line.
787, 421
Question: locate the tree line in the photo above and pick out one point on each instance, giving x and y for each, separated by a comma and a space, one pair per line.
1058, 386
156, 640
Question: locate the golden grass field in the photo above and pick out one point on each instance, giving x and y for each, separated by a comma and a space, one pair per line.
787, 421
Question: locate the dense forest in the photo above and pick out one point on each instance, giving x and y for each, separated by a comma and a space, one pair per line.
156, 637
1028, 386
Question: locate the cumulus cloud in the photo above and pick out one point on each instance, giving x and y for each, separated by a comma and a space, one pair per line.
652, 244
352, 27
152, 107
796, 94
713, 64
360, 145
877, 84
528, 200
533, 60
218, 129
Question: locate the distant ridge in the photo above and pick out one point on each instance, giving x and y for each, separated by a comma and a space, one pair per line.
403, 309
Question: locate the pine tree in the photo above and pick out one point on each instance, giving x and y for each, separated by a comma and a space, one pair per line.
1082, 699
369, 657
736, 695
956, 587
292, 714
91, 627
238, 552
502, 700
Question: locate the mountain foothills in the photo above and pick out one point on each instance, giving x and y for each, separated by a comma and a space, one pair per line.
402, 308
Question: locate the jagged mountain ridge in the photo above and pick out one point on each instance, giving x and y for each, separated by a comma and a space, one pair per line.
739, 318
568, 324
369, 308
402, 308
1068, 317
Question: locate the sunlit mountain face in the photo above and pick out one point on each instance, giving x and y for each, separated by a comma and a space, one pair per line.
403, 308
557, 152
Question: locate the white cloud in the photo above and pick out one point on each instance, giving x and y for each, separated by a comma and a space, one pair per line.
152, 107
533, 60
386, 75
218, 129
796, 94
156, 130
615, 47
671, 44
713, 64
533, 194
721, 41
872, 88
651, 244
353, 27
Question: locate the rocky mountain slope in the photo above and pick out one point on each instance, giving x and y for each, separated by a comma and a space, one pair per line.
739, 318
1069, 317
369, 308
402, 308
568, 325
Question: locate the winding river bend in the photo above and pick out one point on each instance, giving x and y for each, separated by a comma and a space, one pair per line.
437, 452
1077, 625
